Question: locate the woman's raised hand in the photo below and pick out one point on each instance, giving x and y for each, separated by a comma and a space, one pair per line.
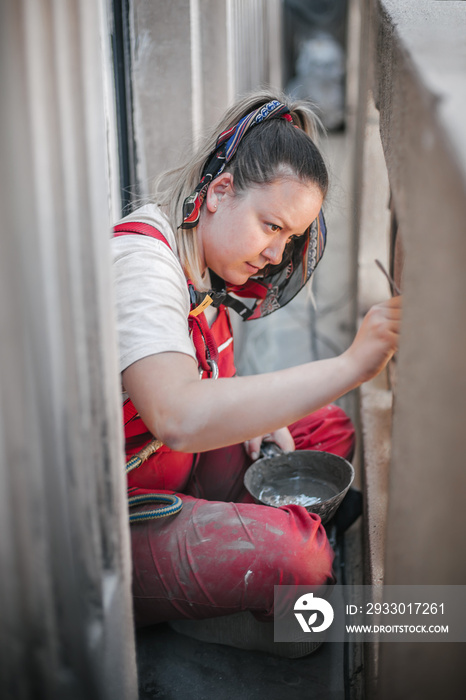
189, 415
376, 340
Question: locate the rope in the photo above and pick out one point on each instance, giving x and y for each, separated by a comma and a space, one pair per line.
144, 454
174, 506
174, 503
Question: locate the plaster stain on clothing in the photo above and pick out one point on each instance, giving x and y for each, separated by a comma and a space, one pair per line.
239, 544
273, 530
246, 577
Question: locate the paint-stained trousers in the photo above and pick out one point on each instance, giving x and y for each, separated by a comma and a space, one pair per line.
222, 553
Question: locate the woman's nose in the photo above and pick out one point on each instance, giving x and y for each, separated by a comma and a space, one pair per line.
274, 252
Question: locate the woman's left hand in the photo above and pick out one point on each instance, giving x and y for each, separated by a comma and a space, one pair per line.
282, 437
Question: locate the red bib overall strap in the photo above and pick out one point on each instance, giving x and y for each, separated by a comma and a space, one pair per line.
141, 229
203, 340
167, 470
170, 503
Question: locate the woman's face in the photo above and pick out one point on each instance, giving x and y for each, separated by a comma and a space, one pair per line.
241, 234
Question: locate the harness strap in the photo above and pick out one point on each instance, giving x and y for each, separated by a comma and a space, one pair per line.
203, 340
172, 503
204, 344
207, 355
142, 229
129, 412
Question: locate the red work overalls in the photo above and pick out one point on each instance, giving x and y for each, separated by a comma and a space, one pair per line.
222, 553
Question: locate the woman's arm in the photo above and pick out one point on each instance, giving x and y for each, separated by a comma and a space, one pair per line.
194, 416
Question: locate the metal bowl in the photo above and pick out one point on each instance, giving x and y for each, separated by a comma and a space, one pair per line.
317, 480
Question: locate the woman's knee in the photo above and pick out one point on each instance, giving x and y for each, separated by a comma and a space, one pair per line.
304, 556
329, 430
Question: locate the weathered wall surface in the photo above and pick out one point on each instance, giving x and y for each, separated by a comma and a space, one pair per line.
190, 59
422, 100
66, 621
419, 58
66, 616
165, 86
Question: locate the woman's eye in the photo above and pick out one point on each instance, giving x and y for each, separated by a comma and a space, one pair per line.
274, 227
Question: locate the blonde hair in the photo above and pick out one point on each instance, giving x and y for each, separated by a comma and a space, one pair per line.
263, 155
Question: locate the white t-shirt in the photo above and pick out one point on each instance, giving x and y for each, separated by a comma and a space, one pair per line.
152, 298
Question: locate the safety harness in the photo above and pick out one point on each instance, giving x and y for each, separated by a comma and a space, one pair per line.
207, 357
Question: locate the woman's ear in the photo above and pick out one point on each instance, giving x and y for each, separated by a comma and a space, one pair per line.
219, 188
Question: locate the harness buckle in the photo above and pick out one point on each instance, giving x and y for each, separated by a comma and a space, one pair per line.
213, 368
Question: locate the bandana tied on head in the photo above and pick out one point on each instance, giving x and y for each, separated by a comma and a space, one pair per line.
277, 284
224, 150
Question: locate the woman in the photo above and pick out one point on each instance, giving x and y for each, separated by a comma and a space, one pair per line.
242, 221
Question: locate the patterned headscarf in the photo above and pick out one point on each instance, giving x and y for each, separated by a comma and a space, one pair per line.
277, 284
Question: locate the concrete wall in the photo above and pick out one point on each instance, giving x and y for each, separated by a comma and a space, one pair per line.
66, 620
191, 58
422, 101
66, 623
416, 69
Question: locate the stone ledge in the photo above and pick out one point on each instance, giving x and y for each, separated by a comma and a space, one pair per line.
376, 425
426, 39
